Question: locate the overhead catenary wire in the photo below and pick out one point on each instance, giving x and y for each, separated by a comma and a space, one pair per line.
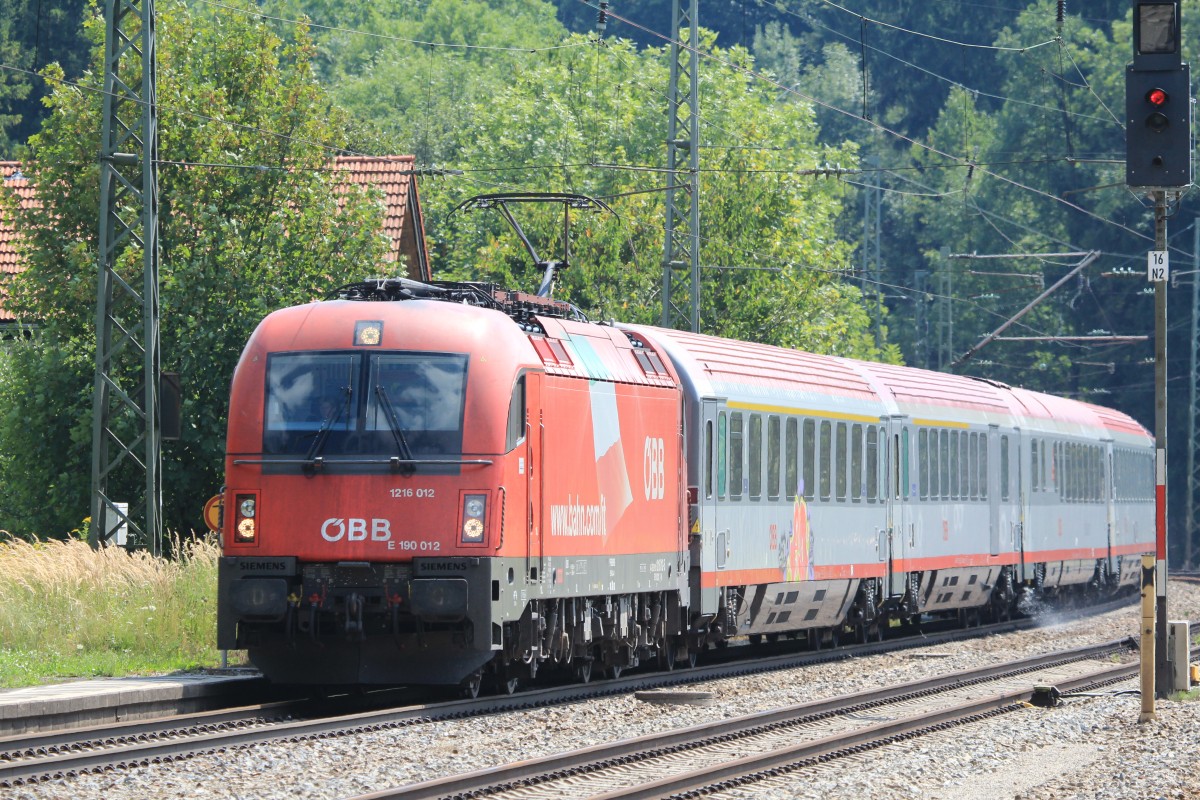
953, 82
602, 17
427, 43
342, 150
878, 126
212, 2
252, 167
956, 43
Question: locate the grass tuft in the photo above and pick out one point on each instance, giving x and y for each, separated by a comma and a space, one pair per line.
69, 611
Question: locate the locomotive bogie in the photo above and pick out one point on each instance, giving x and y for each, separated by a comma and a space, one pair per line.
954, 589
797, 605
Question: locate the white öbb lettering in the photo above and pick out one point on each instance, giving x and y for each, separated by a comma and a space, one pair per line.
356, 530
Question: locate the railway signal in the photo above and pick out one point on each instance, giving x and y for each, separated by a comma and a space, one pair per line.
1158, 160
1158, 141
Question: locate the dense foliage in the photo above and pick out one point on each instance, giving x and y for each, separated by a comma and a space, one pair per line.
33, 35
236, 244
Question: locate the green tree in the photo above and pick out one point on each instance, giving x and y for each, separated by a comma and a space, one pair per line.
14, 86
410, 71
32, 35
588, 120
268, 227
1001, 163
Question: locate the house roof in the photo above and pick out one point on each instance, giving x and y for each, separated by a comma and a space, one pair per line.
10, 264
402, 220
393, 175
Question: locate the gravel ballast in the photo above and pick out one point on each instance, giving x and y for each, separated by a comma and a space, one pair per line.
1089, 747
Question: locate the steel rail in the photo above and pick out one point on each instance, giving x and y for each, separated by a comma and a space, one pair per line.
25, 746
64, 760
533, 771
54, 742
756, 767
51, 741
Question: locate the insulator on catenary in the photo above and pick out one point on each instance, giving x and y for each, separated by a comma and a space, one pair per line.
1061, 14
602, 18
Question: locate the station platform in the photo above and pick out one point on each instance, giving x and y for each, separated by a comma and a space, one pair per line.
77, 704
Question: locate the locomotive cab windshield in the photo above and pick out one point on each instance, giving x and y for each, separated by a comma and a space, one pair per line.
381, 404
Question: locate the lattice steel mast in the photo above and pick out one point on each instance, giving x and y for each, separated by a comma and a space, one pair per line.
681, 247
126, 433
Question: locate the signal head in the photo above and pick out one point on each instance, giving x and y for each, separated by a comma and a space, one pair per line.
1158, 142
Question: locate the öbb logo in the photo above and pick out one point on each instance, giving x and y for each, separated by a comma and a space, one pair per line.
654, 458
356, 530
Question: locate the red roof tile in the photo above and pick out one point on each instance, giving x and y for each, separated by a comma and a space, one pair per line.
14, 181
393, 175
402, 211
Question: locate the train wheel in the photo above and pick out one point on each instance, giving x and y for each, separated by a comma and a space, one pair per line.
666, 655
507, 679
583, 670
470, 687
614, 671
1003, 597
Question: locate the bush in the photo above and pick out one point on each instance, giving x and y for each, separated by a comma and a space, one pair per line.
67, 610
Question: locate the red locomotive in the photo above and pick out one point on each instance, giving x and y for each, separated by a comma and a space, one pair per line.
438, 483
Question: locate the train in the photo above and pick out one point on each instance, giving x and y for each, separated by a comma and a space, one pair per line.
455, 484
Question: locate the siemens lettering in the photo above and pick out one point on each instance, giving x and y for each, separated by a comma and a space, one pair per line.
356, 530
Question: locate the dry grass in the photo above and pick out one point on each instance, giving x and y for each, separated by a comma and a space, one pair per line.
67, 610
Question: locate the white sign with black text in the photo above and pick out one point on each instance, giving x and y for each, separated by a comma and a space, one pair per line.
1158, 266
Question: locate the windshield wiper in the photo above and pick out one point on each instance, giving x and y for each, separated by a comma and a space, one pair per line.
389, 413
312, 458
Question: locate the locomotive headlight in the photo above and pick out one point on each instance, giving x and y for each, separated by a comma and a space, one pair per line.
245, 531
474, 516
245, 527
472, 531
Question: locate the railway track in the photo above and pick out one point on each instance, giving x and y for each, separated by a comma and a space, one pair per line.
55, 755
736, 752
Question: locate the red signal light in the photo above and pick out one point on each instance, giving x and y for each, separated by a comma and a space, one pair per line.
1156, 97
